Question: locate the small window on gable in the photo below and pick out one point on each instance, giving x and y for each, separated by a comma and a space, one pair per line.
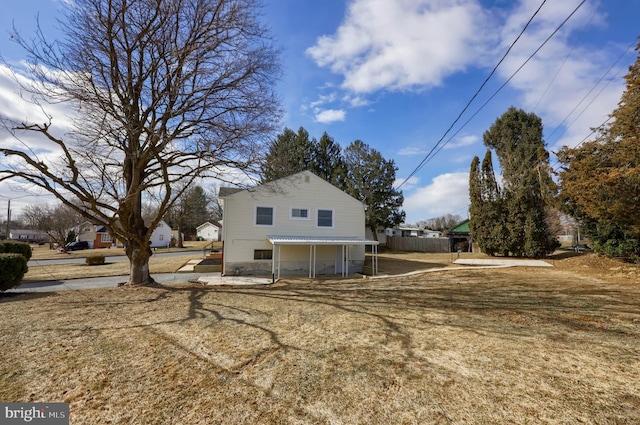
325, 218
264, 216
300, 213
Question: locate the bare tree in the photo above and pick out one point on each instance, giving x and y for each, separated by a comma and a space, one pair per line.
59, 221
167, 91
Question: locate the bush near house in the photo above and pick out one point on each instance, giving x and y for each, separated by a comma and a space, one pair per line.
13, 267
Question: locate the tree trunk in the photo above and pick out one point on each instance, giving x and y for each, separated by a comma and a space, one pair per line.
180, 241
374, 232
139, 274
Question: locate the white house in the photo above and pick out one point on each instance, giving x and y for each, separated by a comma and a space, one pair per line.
24, 235
209, 231
295, 225
160, 237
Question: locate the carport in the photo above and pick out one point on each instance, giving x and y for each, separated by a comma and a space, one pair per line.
313, 241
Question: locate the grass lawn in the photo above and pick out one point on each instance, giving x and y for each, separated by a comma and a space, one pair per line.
554, 345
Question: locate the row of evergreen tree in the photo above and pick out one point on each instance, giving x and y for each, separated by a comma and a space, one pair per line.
359, 170
598, 184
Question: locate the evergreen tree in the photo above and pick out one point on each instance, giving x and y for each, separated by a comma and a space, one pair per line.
328, 162
515, 216
288, 154
191, 210
487, 220
370, 178
600, 180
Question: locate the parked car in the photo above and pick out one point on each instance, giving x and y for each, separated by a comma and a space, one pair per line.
76, 246
581, 248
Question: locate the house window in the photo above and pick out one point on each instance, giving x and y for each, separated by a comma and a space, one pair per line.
300, 213
161, 237
325, 218
264, 216
105, 237
262, 254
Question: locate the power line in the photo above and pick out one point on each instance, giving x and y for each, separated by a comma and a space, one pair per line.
474, 96
437, 146
575, 44
590, 91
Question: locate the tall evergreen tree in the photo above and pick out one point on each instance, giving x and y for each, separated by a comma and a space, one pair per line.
487, 220
288, 154
516, 215
600, 180
328, 162
370, 178
191, 210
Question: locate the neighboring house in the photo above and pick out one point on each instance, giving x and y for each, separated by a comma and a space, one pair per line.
295, 225
460, 237
160, 237
209, 231
426, 233
25, 235
406, 231
95, 235
381, 235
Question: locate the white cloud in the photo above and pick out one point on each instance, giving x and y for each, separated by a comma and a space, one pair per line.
447, 193
328, 116
561, 75
17, 107
462, 141
407, 184
412, 151
402, 44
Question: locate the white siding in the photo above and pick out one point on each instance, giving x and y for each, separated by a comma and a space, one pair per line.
208, 232
303, 190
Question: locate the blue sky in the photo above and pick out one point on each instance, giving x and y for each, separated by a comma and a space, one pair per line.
396, 74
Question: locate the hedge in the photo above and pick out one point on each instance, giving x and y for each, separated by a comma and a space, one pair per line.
95, 260
7, 247
12, 269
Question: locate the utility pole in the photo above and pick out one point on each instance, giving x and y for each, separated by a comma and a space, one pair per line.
8, 217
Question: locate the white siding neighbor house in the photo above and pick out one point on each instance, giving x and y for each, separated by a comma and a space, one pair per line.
296, 225
160, 237
209, 231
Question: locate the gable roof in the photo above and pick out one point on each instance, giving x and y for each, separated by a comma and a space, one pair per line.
461, 228
227, 192
209, 223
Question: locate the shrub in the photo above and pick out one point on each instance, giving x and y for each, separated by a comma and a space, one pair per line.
8, 247
95, 260
13, 266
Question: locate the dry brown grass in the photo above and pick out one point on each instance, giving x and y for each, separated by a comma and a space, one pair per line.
555, 346
166, 264
43, 252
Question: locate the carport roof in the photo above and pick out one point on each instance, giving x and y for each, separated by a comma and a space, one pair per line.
318, 240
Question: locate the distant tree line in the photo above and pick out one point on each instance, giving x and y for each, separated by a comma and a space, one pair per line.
359, 170
442, 223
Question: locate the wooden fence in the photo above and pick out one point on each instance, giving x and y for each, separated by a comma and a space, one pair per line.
397, 243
